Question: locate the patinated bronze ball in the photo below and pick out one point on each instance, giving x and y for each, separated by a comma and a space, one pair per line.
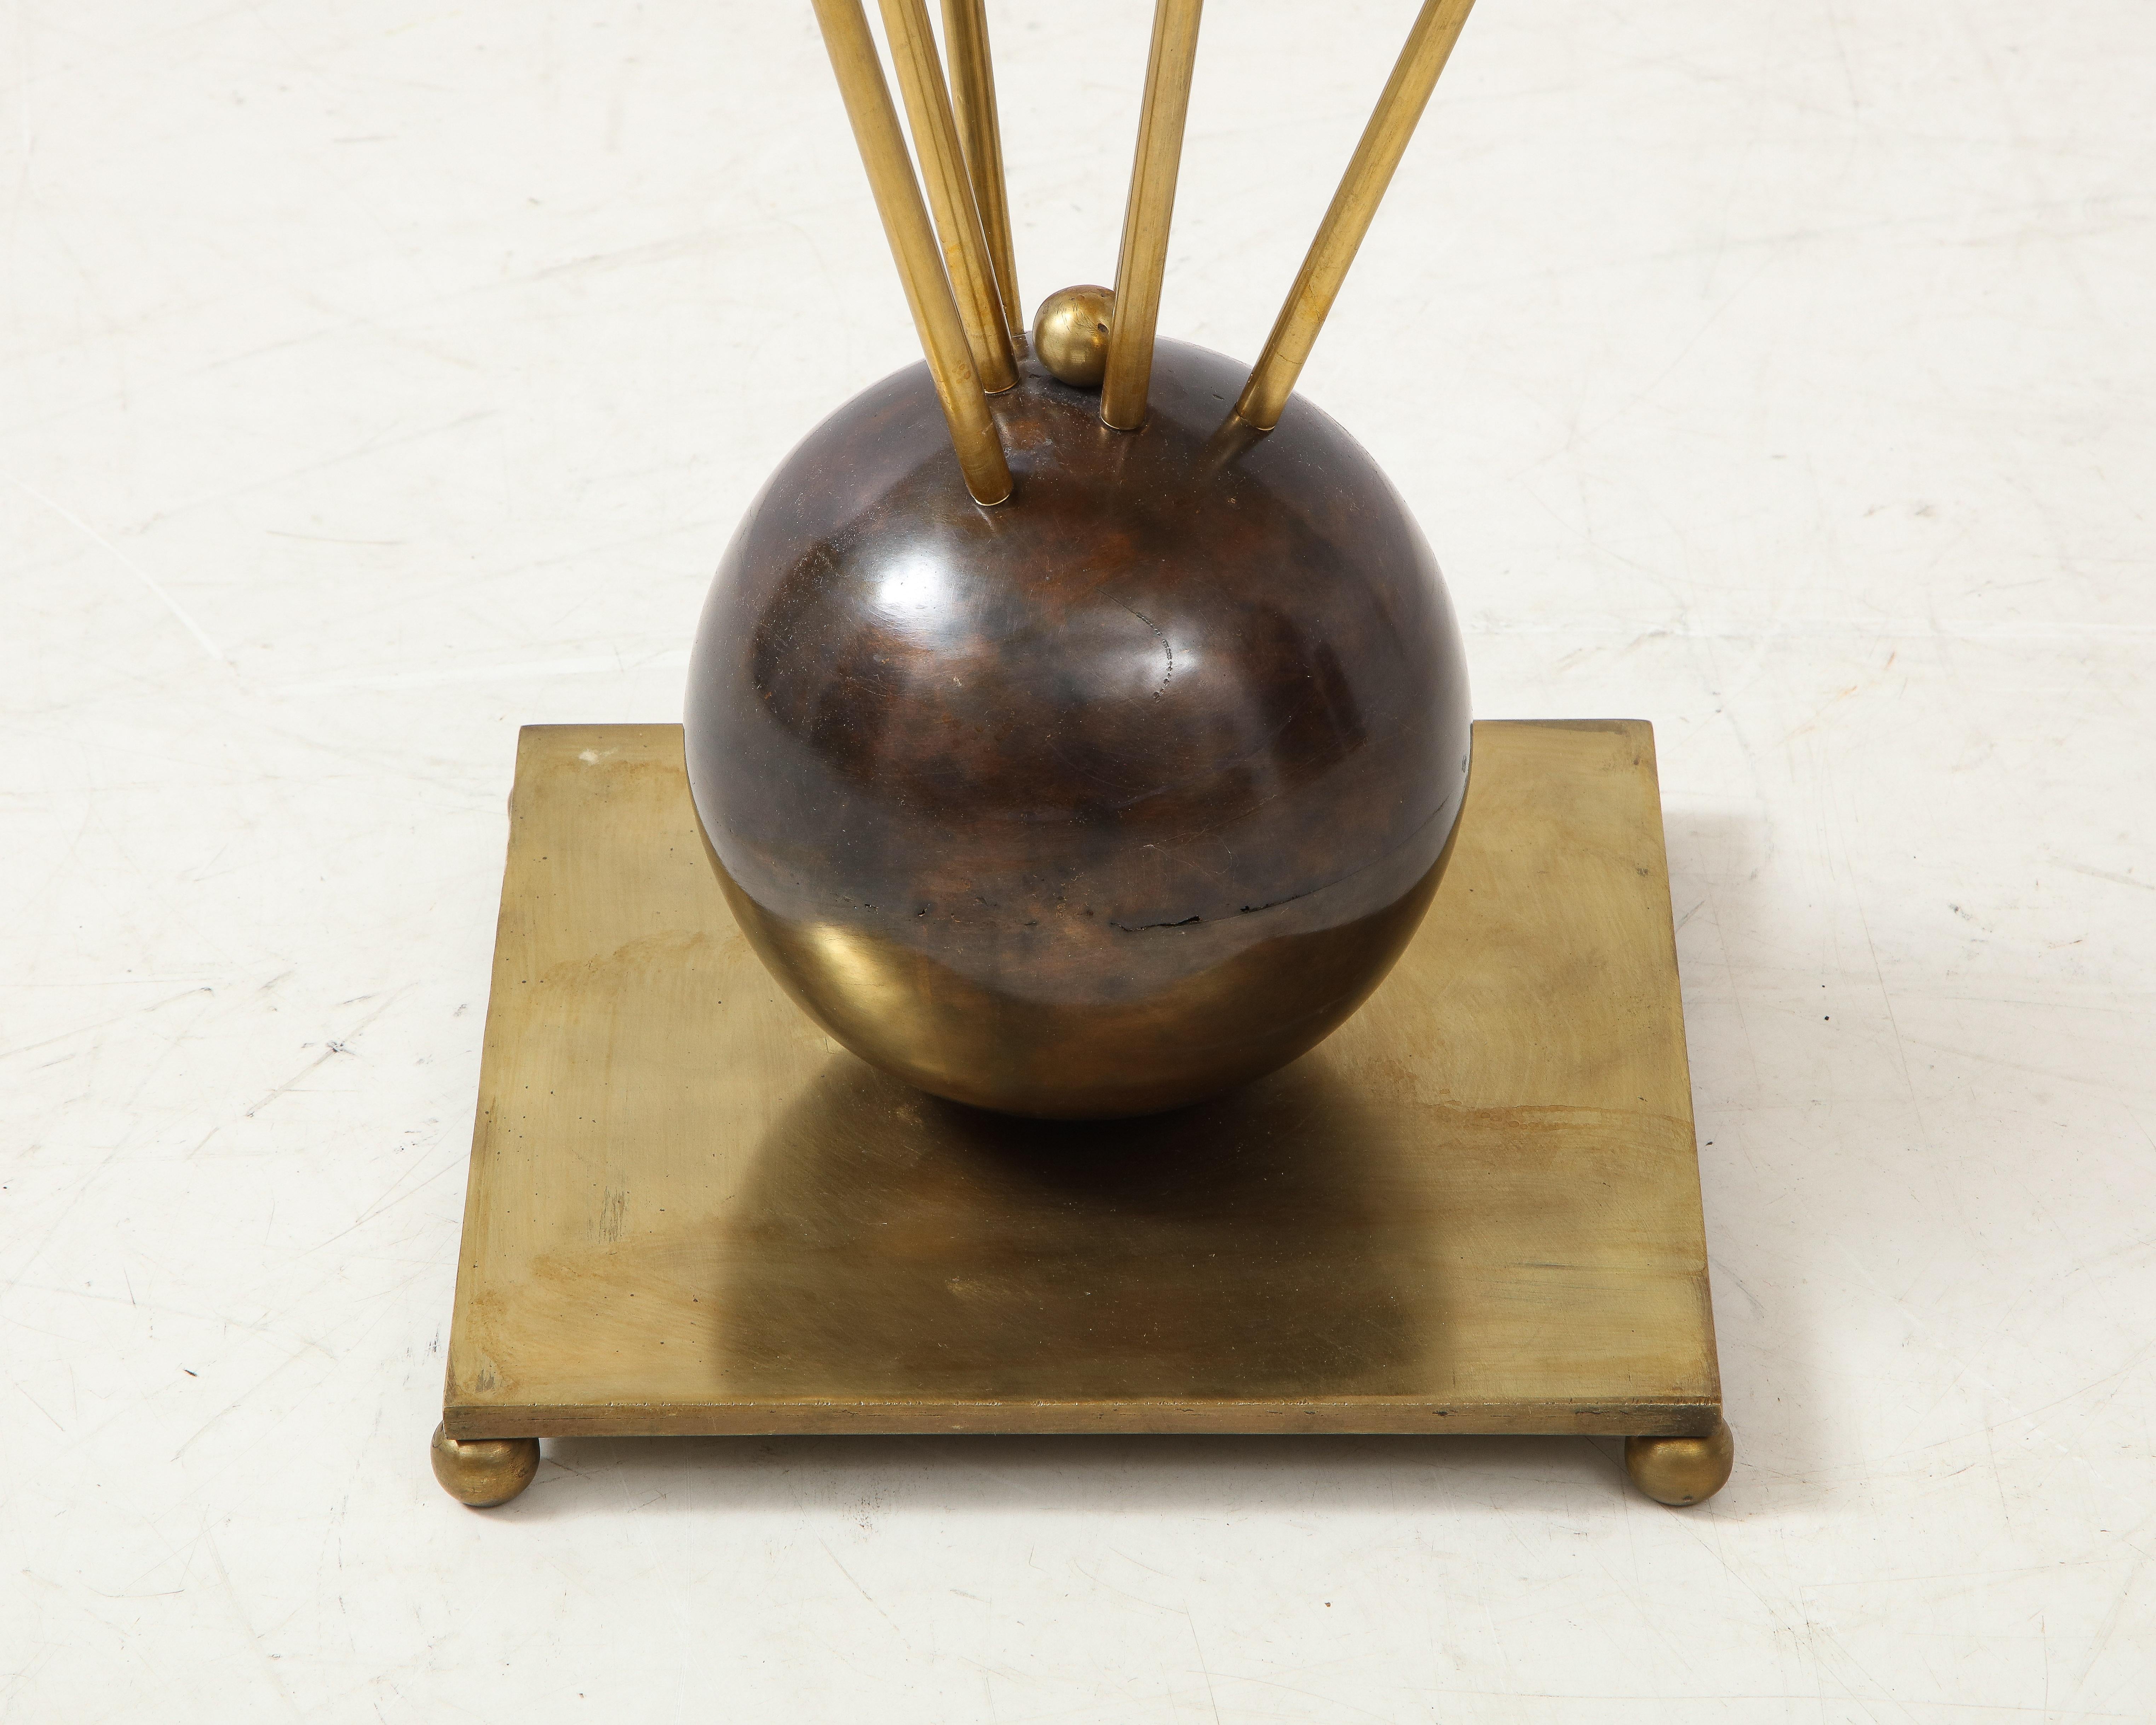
1102, 800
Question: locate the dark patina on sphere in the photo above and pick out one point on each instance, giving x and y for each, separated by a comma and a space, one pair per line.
1100, 801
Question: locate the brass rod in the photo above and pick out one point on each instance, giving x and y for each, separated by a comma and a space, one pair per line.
913, 247
1348, 218
973, 95
1144, 255
950, 193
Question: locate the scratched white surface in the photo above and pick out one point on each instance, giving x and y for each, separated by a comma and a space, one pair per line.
379, 378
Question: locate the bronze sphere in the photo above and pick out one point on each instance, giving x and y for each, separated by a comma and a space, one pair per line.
1070, 334
1105, 799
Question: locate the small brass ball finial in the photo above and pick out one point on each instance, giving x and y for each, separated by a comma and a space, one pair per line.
1070, 334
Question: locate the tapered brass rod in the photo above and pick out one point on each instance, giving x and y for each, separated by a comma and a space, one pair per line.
1347, 218
950, 193
913, 247
973, 95
1143, 259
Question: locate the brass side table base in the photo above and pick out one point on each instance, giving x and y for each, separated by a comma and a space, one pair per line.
1474, 1209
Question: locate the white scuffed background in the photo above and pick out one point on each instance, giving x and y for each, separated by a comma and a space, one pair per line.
375, 379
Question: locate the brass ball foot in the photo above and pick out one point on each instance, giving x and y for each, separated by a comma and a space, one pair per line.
483, 1473
1680, 1470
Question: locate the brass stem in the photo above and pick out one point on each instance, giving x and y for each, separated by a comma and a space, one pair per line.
1347, 218
1144, 256
973, 95
950, 193
913, 247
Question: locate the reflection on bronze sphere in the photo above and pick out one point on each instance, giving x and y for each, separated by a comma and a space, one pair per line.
1099, 802
1070, 334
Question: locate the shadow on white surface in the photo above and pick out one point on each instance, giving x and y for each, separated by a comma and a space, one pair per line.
1052, 1476
1770, 1353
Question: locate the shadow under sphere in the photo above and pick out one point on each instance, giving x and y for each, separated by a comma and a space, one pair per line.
1104, 800
885, 1245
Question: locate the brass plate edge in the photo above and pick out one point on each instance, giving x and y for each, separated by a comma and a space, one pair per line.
1344, 1416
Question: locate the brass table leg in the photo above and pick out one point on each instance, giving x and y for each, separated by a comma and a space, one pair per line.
483, 1473
1681, 1470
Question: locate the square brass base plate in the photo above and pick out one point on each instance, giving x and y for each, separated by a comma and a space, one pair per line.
1475, 1209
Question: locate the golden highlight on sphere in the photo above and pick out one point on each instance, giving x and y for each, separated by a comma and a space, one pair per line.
1070, 334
